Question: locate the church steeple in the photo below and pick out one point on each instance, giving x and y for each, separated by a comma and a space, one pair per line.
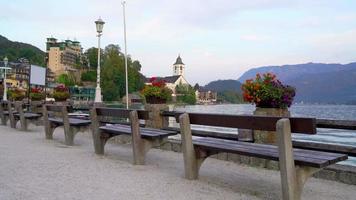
178, 67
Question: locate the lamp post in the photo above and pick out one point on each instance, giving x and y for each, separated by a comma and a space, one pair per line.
126, 76
99, 28
4, 80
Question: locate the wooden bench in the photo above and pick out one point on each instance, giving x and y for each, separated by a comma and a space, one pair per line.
143, 139
24, 117
296, 165
57, 115
11, 111
4, 113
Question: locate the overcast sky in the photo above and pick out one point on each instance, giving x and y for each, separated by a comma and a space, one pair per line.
217, 39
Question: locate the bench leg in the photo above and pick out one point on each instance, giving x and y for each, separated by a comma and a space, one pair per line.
3, 120
24, 125
293, 177
99, 140
70, 134
140, 150
49, 129
193, 157
13, 123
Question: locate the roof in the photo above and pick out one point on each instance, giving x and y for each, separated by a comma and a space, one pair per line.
167, 79
179, 61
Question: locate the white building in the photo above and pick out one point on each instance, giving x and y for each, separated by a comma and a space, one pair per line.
177, 78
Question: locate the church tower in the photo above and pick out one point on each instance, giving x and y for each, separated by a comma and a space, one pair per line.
178, 67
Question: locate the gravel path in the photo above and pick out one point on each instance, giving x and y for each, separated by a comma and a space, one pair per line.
32, 168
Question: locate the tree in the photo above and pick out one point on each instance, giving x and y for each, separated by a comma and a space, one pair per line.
88, 76
66, 80
136, 65
92, 55
113, 74
185, 94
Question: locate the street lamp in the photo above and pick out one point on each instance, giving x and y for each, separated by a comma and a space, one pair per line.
126, 77
99, 28
4, 80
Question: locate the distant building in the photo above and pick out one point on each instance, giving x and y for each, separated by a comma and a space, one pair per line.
205, 96
18, 76
64, 57
178, 76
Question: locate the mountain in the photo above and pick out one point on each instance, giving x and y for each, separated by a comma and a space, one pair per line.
315, 82
287, 72
16, 50
224, 85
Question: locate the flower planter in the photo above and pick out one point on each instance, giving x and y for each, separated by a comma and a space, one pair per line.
268, 137
155, 100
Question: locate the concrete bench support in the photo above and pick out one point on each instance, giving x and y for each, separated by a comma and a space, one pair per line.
293, 177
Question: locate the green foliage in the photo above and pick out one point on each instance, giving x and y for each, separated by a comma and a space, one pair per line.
92, 55
229, 97
16, 50
88, 76
16, 94
185, 94
37, 96
113, 75
66, 79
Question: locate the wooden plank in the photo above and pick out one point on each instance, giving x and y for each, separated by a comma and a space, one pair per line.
336, 124
119, 112
145, 133
56, 108
72, 121
303, 157
349, 150
298, 125
309, 153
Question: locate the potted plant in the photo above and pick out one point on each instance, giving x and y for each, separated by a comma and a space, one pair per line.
37, 94
16, 94
61, 93
271, 97
156, 92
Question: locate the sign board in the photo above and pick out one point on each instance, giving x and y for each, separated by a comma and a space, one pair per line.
38, 75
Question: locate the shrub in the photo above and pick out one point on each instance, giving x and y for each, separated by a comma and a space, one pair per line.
37, 94
267, 91
157, 89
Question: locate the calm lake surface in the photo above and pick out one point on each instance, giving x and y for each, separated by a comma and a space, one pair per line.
331, 136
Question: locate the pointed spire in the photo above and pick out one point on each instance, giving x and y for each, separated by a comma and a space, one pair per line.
179, 61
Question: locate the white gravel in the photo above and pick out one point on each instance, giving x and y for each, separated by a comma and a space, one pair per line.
32, 168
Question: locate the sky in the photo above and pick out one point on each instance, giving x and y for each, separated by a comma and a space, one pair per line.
217, 39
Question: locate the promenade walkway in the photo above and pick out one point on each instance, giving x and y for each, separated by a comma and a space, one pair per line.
32, 168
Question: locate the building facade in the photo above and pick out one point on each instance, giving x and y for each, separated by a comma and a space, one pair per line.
18, 76
178, 76
64, 57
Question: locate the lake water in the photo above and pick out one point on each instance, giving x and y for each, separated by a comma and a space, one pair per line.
331, 136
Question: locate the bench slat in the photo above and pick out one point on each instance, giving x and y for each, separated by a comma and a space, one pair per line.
72, 121
120, 113
145, 133
29, 115
298, 125
310, 153
301, 157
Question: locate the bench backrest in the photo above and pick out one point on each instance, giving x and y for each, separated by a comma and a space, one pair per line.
3, 107
298, 125
118, 113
